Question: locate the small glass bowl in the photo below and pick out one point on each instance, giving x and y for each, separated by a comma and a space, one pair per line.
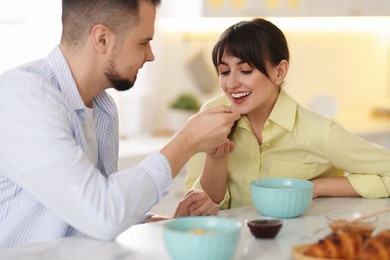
264, 227
342, 221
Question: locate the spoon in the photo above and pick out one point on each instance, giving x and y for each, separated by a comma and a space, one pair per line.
343, 222
371, 214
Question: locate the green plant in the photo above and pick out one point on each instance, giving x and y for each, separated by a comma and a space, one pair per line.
186, 102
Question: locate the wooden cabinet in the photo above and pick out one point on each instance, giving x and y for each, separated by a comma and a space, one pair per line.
271, 8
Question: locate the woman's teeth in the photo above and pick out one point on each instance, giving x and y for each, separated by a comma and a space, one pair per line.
241, 95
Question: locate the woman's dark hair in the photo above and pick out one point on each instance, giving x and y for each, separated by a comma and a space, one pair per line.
255, 42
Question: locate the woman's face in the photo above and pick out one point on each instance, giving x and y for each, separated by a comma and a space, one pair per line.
249, 90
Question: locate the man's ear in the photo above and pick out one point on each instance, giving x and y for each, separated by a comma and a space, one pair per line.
101, 37
280, 72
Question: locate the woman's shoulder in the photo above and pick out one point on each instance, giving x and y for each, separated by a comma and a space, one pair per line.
309, 118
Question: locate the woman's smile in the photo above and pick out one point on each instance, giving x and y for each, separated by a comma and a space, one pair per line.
240, 97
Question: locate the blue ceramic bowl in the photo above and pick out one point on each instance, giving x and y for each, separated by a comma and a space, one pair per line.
281, 197
201, 238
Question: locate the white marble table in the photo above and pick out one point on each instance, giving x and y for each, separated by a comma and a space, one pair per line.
146, 241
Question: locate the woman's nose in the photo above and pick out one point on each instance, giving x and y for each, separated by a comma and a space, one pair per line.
232, 82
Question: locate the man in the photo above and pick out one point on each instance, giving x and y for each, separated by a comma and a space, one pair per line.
59, 133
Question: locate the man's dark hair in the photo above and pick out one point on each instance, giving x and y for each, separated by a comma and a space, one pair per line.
79, 16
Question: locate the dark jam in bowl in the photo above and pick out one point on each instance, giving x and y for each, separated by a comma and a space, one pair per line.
264, 228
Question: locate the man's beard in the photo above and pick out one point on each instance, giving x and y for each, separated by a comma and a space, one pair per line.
118, 83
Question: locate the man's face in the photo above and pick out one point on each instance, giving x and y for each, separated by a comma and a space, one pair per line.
117, 82
131, 52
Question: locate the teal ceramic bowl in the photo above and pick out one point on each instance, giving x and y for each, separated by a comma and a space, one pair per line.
201, 238
281, 197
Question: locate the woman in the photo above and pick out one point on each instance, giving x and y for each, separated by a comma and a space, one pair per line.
275, 136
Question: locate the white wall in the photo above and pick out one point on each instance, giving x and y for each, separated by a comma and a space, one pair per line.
28, 31
352, 67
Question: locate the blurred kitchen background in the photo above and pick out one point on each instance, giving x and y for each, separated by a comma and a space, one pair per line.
340, 62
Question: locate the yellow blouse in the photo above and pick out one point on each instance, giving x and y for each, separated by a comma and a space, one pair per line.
297, 143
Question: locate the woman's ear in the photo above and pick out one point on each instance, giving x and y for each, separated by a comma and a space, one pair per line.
280, 72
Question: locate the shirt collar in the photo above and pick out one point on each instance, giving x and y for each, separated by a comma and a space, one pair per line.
66, 83
68, 87
284, 111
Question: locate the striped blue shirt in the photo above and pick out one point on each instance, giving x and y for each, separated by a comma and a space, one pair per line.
48, 186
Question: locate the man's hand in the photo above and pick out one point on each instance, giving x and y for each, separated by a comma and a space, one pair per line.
202, 132
209, 129
196, 203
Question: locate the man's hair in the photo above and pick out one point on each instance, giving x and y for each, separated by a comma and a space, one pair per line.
79, 16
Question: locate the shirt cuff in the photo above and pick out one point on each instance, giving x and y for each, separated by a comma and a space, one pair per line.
160, 171
368, 186
145, 217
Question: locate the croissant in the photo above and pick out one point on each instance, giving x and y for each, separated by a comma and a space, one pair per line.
376, 248
343, 244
